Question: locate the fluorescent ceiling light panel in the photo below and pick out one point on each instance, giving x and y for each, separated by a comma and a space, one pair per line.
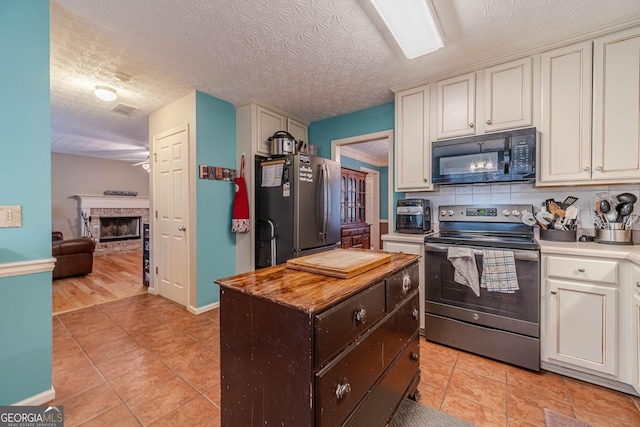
412, 25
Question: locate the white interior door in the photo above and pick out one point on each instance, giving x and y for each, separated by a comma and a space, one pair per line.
171, 161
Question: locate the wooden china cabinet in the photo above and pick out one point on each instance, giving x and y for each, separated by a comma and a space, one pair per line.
355, 231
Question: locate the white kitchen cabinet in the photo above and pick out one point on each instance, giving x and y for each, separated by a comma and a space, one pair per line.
507, 95
635, 359
581, 310
456, 113
574, 148
565, 132
270, 121
616, 95
413, 144
400, 244
297, 129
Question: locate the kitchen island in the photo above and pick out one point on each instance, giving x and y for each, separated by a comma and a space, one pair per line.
304, 349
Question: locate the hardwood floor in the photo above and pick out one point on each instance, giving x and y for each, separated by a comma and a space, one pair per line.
114, 277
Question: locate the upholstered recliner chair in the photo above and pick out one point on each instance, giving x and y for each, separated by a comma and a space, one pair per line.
74, 257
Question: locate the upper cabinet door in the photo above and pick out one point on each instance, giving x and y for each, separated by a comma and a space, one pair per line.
565, 133
413, 145
269, 122
616, 130
507, 95
298, 129
456, 106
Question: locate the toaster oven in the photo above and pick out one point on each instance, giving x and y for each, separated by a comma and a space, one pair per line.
413, 216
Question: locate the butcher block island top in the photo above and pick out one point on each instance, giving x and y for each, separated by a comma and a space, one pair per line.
312, 292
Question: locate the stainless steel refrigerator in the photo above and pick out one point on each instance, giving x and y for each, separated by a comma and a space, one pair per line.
297, 206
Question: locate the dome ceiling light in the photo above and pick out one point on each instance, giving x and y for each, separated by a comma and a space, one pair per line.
106, 93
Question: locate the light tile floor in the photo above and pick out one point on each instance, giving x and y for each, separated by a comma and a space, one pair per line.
146, 361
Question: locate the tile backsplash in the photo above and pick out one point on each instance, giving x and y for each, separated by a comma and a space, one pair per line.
527, 194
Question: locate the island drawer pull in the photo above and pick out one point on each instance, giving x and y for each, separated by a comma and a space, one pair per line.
415, 314
342, 390
360, 316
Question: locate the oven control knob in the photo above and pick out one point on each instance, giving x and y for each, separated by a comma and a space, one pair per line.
506, 212
443, 212
515, 212
450, 212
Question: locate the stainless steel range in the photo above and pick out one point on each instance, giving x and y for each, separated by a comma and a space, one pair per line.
482, 283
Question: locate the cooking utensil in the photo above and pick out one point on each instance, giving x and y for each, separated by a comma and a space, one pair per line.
529, 219
613, 200
570, 200
604, 206
624, 209
544, 219
627, 198
571, 214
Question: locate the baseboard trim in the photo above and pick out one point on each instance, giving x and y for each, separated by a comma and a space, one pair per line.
27, 267
203, 309
38, 399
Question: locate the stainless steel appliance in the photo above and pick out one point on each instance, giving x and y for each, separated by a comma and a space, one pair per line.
297, 207
496, 157
497, 324
413, 216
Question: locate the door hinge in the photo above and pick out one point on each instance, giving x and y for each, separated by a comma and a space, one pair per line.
156, 270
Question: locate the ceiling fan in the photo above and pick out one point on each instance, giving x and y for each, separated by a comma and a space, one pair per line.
145, 164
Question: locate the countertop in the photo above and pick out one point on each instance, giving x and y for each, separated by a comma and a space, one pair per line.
309, 292
603, 250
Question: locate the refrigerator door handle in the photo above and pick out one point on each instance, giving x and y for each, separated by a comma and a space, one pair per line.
272, 237
326, 202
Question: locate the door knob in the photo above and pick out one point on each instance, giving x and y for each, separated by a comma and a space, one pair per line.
182, 228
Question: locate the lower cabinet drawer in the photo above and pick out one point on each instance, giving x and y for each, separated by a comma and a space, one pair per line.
402, 284
336, 327
357, 240
593, 270
383, 400
347, 379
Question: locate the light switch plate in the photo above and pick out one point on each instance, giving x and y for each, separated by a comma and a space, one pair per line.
10, 216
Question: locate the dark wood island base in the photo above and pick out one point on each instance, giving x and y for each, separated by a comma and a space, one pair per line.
303, 349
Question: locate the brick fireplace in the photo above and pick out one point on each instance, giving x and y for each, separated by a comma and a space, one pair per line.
108, 216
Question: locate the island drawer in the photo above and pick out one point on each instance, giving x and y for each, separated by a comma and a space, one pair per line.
383, 399
401, 327
593, 270
401, 284
346, 380
338, 326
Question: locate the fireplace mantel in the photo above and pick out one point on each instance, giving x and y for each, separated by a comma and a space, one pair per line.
112, 202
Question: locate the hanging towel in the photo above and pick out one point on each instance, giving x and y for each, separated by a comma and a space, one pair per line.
464, 262
240, 222
499, 271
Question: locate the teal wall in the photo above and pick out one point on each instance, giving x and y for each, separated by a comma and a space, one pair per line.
348, 162
215, 146
25, 173
375, 119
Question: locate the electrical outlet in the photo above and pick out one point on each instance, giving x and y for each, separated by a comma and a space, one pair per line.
10, 216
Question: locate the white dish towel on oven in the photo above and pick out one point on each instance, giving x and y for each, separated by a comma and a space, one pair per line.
499, 271
466, 270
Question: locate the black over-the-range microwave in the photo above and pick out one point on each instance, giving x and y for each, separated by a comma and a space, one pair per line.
496, 157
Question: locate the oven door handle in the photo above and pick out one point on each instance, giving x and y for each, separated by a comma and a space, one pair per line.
518, 255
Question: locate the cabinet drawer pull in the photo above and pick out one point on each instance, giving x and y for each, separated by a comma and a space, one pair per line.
598, 168
553, 292
587, 168
414, 356
415, 314
470, 125
488, 122
360, 316
581, 270
406, 283
637, 284
342, 390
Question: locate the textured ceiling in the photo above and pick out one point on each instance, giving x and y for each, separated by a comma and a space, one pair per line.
313, 58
